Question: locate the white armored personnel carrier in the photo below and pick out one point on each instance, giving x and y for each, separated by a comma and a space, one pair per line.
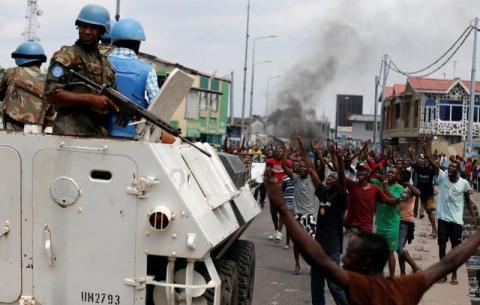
123, 222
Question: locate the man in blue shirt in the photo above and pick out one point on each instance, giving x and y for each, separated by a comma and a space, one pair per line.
135, 78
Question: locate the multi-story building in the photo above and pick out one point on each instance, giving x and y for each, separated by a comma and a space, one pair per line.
362, 126
346, 106
437, 108
203, 113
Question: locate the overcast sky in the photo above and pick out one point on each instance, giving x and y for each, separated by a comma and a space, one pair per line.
341, 41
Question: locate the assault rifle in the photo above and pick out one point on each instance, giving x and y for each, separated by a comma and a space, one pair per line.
129, 109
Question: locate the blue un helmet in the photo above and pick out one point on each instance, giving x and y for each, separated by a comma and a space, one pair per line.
107, 36
28, 52
127, 29
94, 14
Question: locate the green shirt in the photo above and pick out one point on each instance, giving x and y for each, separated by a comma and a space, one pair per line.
387, 216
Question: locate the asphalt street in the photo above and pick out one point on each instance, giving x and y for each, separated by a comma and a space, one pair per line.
275, 283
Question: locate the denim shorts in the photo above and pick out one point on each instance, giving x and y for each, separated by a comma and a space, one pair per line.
402, 236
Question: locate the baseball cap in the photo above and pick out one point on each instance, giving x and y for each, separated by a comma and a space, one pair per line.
363, 166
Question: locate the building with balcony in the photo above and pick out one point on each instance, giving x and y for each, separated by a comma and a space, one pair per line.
202, 115
432, 107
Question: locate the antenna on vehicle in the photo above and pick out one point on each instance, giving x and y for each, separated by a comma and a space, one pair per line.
117, 13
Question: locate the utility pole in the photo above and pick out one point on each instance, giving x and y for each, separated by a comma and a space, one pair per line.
30, 33
375, 110
231, 98
472, 92
244, 91
384, 93
454, 67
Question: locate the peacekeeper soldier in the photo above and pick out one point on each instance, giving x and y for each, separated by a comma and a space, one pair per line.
105, 47
80, 111
21, 90
135, 78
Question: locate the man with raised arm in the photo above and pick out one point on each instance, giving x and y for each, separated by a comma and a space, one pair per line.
367, 253
452, 195
304, 197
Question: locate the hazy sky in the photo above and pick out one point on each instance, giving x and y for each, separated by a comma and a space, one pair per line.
341, 41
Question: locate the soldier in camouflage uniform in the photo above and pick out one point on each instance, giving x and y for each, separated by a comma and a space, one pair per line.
21, 89
80, 111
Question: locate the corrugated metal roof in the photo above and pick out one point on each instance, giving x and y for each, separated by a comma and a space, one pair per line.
190, 70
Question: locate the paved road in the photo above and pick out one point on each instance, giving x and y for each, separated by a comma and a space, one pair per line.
274, 282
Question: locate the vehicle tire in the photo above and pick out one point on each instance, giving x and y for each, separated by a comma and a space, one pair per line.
228, 273
243, 253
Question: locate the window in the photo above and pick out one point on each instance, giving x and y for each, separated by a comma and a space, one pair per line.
406, 114
203, 101
415, 114
191, 105
397, 111
369, 126
214, 101
429, 111
476, 112
451, 110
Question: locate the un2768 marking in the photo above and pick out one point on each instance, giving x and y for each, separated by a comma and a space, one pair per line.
100, 298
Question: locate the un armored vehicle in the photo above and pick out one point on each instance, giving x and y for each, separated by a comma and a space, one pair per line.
112, 221
118, 221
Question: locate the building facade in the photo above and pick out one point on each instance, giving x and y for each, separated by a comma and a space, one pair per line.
203, 113
362, 126
437, 108
346, 106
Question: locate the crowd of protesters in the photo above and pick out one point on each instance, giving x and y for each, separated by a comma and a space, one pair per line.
340, 196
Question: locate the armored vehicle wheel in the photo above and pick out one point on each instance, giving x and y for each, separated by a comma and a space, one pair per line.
227, 270
243, 252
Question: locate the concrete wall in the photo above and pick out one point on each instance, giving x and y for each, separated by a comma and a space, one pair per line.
359, 132
443, 146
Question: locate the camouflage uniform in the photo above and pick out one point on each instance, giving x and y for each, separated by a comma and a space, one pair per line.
21, 89
79, 120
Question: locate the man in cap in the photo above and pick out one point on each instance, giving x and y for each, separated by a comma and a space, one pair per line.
135, 78
21, 89
362, 200
80, 111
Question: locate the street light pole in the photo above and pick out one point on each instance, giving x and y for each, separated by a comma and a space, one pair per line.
252, 78
268, 84
386, 68
245, 70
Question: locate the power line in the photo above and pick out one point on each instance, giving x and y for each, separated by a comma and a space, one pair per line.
462, 37
468, 29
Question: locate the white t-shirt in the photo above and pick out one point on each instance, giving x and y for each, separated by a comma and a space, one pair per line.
451, 198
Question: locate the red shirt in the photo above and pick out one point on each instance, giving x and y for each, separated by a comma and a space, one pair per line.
375, 290
372, 164
468, 169
362, 201
277, 168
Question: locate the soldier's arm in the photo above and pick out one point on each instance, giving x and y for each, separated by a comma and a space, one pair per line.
56, 93
98, 103
3, 84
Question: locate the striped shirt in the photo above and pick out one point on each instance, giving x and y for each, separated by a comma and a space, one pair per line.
151, 87
288, 191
